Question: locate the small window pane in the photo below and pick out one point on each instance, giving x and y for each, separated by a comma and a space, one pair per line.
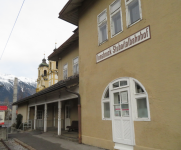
138, 88
123, 83
106, 110
115, 6
107, 94
125, 110
134, 11
117, 110
142, 108
116, 98
103, 33
124, 97
116, 20
102, 17
115, 85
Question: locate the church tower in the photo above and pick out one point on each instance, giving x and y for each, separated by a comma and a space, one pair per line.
42, 81
47, 74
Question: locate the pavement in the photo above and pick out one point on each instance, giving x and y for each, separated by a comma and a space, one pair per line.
48, 141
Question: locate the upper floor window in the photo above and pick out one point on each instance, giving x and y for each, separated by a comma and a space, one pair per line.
102, 27
133, 11
65, 71
116, 18
76, 66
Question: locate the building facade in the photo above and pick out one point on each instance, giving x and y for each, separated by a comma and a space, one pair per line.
129, 63
129, 60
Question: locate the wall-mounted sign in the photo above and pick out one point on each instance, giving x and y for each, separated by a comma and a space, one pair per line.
3, 107
124, 44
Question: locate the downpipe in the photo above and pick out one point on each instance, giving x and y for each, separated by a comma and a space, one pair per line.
79, 113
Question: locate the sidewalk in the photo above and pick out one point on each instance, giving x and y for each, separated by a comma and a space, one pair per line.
47, 141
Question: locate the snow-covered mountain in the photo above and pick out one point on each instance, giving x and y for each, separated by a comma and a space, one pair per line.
26, 87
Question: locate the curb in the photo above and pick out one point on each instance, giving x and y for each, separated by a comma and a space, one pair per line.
23, 144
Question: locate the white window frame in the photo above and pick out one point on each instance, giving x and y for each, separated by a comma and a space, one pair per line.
139, 96
111, 15
100, 24
128, 22
75, 64
133, 95
105, 100
64, 70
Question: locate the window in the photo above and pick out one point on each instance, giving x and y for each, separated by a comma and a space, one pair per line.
123, 97
45, 73
116, 18
76, 66
106, 105
120, 84
133, 11
102, 27
141, 99
65, 71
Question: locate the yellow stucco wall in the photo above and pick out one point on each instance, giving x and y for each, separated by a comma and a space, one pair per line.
23, 110
155, 63
67, 58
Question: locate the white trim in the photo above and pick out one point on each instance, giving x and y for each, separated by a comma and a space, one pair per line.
102, 23
52, 101
111, 15
140, 95
103, 100
133, 97
128, 14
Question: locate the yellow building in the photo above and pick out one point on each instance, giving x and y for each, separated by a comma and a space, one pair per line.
129, 52
129, 57
47, 74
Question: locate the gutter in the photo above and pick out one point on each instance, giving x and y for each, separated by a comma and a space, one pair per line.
79, 113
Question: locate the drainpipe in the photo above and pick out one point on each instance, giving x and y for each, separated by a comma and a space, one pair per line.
79, 113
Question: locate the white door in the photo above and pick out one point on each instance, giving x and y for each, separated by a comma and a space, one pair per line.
67, 116
40, 119
122, 123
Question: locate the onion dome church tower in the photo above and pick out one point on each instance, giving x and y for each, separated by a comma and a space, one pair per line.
47, 74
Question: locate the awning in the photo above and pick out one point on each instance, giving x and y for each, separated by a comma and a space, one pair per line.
61, 84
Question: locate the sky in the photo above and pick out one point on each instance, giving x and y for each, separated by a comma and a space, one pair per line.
37, 30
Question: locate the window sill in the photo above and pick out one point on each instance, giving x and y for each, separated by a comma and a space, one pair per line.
102, 42
134, 23
142, 119
116, 34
